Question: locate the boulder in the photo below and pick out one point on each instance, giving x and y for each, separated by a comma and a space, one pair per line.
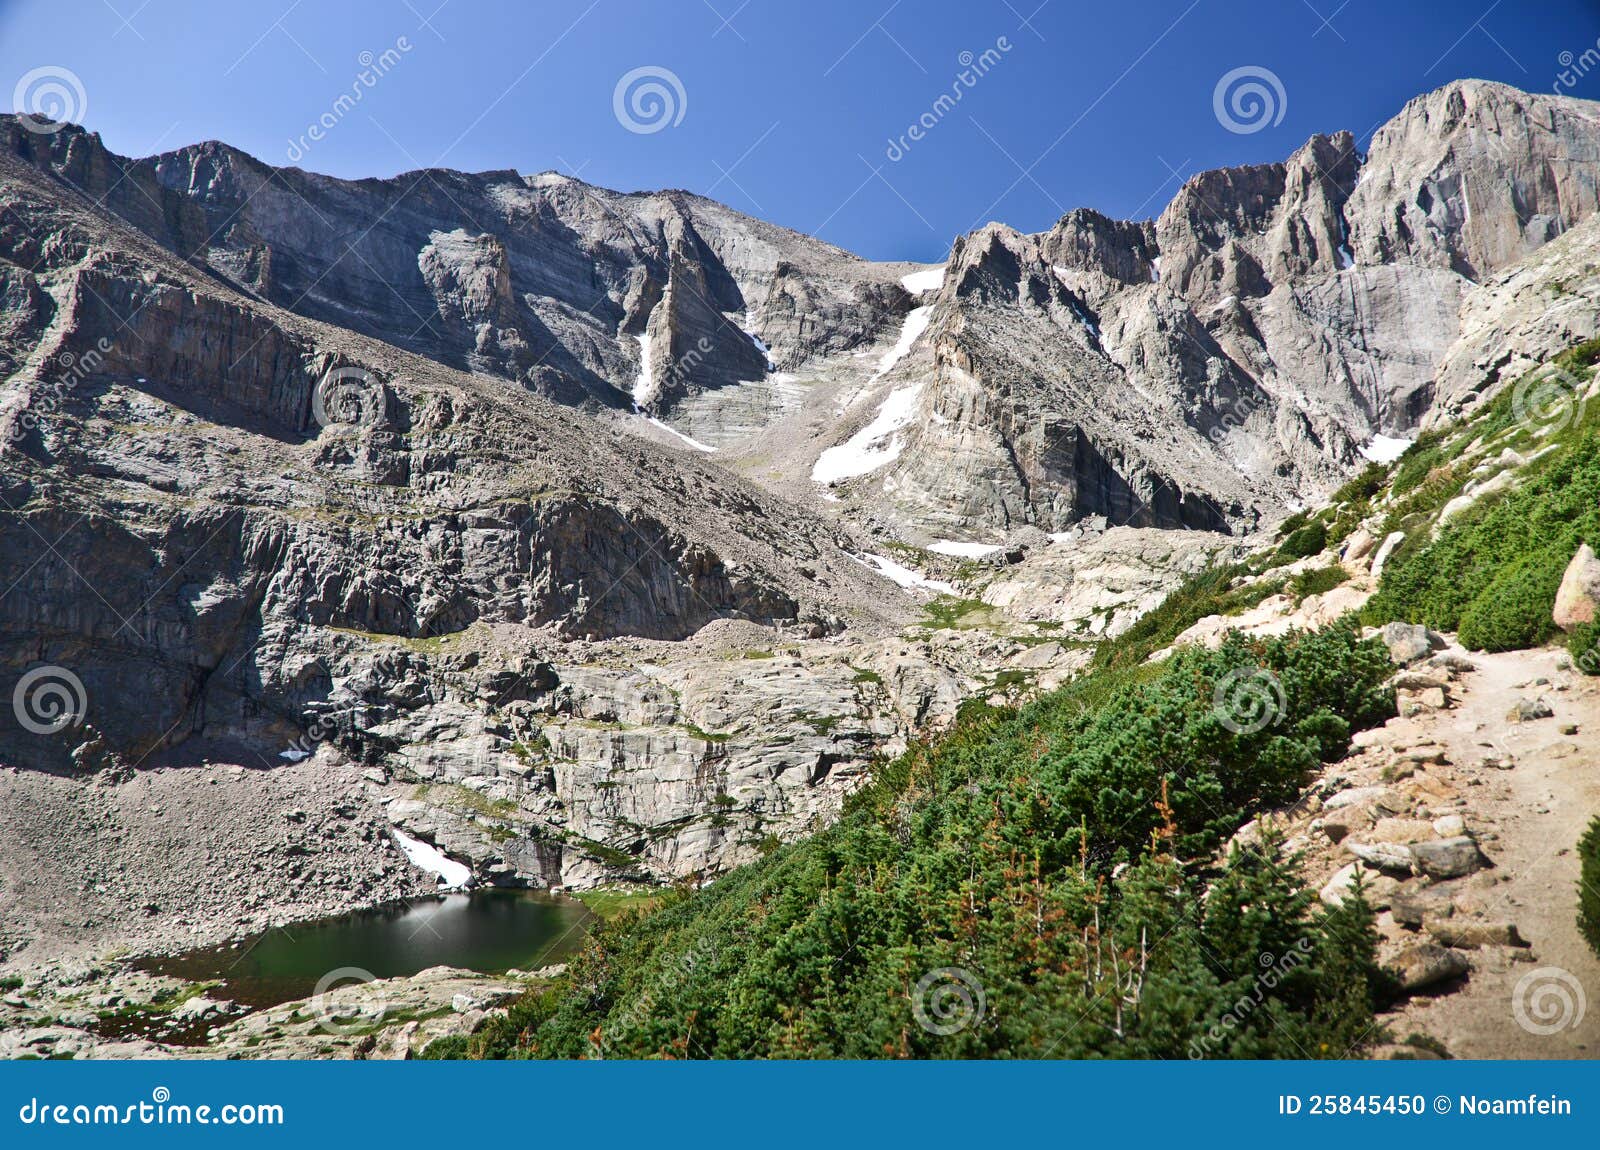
1413, 905
1359, 545
1408, 642
1470, 935
1447, 858
1377, 888
1426, 964
1453, 661
1393, 857
1527, 710
1450, 826
1386, 549
1579, 591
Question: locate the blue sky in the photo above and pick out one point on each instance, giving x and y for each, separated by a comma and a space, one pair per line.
790, 111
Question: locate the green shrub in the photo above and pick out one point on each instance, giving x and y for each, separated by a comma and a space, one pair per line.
1514, 610
1307, 541
1420, 459
1583, 644
1317, 581
1366, 483
1589, 886
1292, 524
1584, 355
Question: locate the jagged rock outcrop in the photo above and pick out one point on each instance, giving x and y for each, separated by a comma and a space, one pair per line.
1474, 177
225, 525
1232, 356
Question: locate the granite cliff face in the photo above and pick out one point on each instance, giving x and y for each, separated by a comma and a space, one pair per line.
1233, 355
588, 536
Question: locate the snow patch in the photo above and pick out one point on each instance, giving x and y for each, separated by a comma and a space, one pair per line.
875, 445
644, 387
929, 279
963, 550
748, 329
1386, 449
1155, 270
915, 324
901, 575
694, 443
425, 856
294, 754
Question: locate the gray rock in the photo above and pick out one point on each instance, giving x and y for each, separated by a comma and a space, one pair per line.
1394, 858
1408, 642
1447, 858
1528, 710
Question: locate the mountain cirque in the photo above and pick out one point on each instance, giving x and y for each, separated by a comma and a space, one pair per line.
619, 567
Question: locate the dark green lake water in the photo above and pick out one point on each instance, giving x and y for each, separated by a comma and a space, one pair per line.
486, 931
